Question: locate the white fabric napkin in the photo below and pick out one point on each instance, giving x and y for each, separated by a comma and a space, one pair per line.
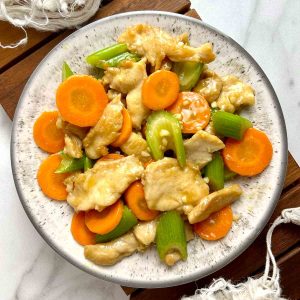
30, 268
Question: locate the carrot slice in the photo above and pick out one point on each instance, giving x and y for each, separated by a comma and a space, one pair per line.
216, 226
81, 100
194, 111
135, 199
249, 156
80, 232
125, 131
45, 133
106, 220
160, 89
52, 184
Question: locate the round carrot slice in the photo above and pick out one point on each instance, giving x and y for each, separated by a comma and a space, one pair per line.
194, 110
125, 131
45, 133
249, 156
52, 184
135, 199
160, 89
106, 220
81, 100
216, 226
80, 232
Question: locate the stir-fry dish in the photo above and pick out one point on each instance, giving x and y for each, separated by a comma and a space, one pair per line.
142, 150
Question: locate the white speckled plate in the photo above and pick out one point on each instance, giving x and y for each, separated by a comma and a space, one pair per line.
52, 219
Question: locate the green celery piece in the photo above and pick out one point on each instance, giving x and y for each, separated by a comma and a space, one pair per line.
170, 235
228, 175
106, 53
230, 125
214, 170
66, 71
128, 220
188, 73
115, 61
69, 164
87, 163
162, 120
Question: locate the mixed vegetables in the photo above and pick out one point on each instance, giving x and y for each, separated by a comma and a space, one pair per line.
144, 153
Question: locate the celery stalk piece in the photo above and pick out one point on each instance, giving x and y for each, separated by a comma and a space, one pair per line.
87, 163
230, 125
115, 61
163, 127
214, 170
170, 235
128, 220
66, 71
106, 53
188, 73
69, 164
228, 175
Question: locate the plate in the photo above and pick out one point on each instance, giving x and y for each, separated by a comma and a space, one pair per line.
52, 219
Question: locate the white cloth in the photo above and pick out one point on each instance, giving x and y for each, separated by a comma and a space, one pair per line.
266, 287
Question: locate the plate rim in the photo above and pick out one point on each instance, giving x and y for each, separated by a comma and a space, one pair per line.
188, 278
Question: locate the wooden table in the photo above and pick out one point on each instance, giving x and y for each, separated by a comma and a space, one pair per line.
16, 66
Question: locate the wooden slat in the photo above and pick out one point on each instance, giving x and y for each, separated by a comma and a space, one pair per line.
252, 260
114, 7
293, 172
289, 266
193, 13
10, 34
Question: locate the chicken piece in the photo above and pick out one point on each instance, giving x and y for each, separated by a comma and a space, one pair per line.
210, 128
235, 94
209, 86
189, 232
128, 79
73, 137
73, 145
167, 186
137, 110
107, 254
112, 94
200, 146
145, 232
71, 129
214, 202
136, 145
103, 185
172, 257
106, 130
155, 44
69, 181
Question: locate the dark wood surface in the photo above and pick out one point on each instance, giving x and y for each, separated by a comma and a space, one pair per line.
16, 66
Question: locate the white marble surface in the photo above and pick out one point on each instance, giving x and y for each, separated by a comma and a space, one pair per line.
270, 31
30, 269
